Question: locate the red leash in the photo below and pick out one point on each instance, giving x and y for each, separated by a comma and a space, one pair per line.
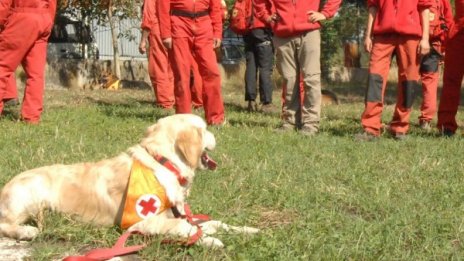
101, 254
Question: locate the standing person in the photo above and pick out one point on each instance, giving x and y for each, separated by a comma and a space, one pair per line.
194, 28
159, 68
259, 54
453, 74
297, 41
393, 26
24, 40
441, 19
10, 97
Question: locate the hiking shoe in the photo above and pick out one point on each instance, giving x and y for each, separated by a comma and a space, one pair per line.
252, 106
399, 135
268, 108
447, 133
365, 136
10, 102
425, 125
308, 131
285, 127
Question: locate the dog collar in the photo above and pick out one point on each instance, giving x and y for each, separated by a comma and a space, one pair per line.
170, 166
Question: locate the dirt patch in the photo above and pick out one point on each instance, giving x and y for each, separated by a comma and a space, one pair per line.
12, 250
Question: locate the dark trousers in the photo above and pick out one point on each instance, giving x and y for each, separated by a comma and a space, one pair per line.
259, 54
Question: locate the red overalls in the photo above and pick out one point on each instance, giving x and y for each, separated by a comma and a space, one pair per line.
440, 15
397, 28
193, 25
24, 40
453, 74
158, 63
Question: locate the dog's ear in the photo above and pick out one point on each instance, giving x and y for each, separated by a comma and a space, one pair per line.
190, 146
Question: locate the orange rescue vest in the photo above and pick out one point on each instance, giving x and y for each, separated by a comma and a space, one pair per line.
145, 197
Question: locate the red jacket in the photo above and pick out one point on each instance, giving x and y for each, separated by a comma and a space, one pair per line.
293, 17
260, 22
149, 15
398, 17
178, 26
444, 15
459, 18
6, 7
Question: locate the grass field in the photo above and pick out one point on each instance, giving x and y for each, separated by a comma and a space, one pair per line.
314, 198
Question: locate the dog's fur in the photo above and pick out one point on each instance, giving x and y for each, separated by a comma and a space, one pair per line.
94, 192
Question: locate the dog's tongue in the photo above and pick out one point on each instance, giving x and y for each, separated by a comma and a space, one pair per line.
209, 162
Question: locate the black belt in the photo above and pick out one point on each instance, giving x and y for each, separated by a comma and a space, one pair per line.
189, 14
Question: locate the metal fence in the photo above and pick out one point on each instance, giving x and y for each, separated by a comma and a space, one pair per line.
129, 31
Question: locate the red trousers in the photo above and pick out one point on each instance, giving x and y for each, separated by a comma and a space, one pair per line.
408, 80
430, 74
452, 80
24, 40
160, 71
201, 48
196, 86
11, 91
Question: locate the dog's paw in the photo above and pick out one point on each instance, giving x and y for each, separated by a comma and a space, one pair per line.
249, 230
27, 232
211, 242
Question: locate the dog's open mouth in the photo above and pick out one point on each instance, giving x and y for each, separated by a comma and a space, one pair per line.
208, 162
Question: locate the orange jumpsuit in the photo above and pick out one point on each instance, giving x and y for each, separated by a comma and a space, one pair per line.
11, 92
453, 74
24, 40
430, 69
158, 63
193, 26
397, 28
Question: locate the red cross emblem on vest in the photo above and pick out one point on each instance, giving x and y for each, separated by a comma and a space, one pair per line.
147, 206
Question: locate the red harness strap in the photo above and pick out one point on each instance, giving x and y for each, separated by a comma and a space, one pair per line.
100, 254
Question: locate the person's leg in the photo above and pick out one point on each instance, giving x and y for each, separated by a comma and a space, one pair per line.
265, 59
290, 72
452, 80
408, 82
250, 72
379, 66
196, 86
309, 59
429, 72
209, 71
180, 57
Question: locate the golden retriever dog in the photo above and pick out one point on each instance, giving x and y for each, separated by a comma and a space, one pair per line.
96, 192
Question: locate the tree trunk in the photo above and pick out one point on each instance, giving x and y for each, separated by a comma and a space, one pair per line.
114, 37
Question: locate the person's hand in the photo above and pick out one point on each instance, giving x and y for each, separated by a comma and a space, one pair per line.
273, 18
217, 43
368, 44
424, 47
167, 43
314, 17
143, 47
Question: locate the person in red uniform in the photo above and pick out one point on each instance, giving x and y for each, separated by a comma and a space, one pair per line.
393, 26
159, 68
194, 28
453, 74
441, 19
23, 40
10, 96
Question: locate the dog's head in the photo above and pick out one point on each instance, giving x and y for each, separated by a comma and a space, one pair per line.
183, 139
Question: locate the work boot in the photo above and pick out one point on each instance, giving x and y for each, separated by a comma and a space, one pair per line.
268, 108
365, 136
10, 102
252, 106
306, 130
447, 133
399, 135
425, 125
285, 127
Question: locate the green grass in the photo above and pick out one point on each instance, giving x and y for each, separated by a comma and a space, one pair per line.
320, 198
